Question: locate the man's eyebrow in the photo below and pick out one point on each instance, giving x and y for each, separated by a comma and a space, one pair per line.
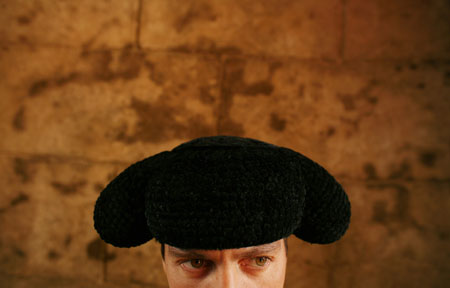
182, 253
261, 250
250, 252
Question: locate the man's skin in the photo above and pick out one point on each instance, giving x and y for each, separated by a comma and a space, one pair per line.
262, 266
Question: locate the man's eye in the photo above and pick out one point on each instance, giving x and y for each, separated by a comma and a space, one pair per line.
261, 261
196, 263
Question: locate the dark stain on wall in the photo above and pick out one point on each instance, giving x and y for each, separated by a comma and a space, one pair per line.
421, 85
316, 91
351, 101
53, 255
197, 11
19, 252
21, 169
402, 203
19, 119
301, 91
97, 250
348, 101
100, 62
379, 212
157, 123
68, 189
205, 95
19, 199
277, 123
130, 61
361, 105
352, 123
24, 40
38, 87
447, 78
330, 131
433, 63
258, 88
99, 187
155, 75
206, 46
402, 171
274, 66
413, 66
443, 235
24, 20
66, 79
68, 240
401, 207
370, 171
111, 176
233, 71
234, 83
428, 158
227, 126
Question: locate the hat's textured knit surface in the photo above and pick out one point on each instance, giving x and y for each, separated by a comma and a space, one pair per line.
222, 192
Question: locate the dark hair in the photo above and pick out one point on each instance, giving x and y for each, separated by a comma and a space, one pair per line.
163, 249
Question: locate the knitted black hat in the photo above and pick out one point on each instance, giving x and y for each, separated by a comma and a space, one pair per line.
222, 192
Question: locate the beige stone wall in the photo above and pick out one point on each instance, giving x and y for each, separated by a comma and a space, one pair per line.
89, 87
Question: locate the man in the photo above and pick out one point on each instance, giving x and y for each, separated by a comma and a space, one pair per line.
221, 206
258, 266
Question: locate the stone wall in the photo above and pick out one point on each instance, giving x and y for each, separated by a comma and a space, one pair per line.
89, 87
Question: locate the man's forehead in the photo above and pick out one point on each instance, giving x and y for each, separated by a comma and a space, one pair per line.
263, 248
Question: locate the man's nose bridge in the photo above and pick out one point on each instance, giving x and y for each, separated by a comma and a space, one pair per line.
228, 276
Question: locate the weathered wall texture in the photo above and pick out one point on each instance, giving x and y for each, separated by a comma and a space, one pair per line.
89, 87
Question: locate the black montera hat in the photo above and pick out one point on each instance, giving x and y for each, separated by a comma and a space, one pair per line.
222, 192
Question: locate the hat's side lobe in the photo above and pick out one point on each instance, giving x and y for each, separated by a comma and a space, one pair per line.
119, 216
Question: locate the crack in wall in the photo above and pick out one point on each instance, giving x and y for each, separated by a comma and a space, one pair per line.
343, 39
138, 25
